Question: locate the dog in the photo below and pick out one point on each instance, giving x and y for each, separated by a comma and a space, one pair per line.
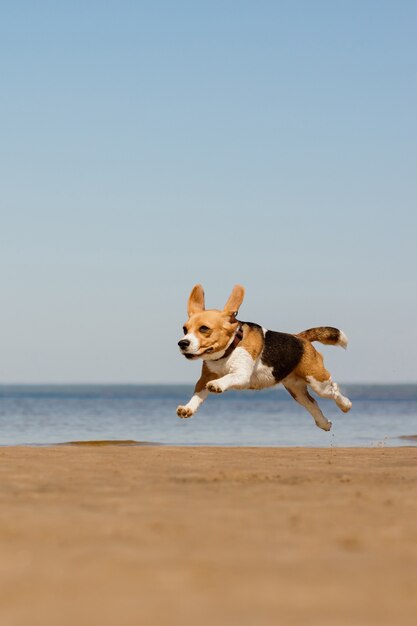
244, 355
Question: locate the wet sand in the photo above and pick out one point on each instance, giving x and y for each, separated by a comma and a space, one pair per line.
130, 535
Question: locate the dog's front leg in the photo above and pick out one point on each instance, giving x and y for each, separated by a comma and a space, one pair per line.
200, 394
239, 375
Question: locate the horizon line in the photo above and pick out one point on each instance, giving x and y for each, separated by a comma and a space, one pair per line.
173, 384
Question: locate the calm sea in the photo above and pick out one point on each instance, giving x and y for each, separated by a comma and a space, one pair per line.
381, 415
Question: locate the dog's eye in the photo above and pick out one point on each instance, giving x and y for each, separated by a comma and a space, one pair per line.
204, 329
184, 330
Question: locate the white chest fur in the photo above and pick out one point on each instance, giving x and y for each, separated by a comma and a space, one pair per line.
262, 376
252, 374
238, 360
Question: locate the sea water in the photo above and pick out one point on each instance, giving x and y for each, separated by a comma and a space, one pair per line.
146, 414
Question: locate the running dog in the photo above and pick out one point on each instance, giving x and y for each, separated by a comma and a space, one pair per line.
243, 355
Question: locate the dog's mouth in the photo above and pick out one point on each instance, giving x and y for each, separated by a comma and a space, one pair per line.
197, 355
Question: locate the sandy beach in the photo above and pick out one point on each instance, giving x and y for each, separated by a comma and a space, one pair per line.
161, 535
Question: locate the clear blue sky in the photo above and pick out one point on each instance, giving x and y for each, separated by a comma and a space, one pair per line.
147, 146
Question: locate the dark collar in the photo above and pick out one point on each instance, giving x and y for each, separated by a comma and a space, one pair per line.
236, 341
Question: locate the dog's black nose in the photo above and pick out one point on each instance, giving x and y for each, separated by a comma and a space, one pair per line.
184, 343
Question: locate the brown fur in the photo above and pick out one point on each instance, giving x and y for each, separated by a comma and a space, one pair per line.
196, 300
324, 334
235, 300
311, 363
206, 377
253, 341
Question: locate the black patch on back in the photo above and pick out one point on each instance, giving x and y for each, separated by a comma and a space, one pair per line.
282, 352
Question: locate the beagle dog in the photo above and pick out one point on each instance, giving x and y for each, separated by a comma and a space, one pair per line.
243, 355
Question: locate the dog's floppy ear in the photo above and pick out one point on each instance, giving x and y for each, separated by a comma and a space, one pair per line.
235, 300
196, 300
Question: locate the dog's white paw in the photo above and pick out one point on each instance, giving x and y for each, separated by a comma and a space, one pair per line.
214, 387
184, 411
346, 406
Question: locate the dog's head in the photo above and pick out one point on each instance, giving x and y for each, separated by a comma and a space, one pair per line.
208, 333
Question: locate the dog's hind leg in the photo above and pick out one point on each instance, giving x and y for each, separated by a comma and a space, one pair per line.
329, 389
298, 389
312, 371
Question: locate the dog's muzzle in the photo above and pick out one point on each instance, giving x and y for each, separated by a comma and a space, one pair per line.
183, 344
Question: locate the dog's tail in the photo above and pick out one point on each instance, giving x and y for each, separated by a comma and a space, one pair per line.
325, 334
